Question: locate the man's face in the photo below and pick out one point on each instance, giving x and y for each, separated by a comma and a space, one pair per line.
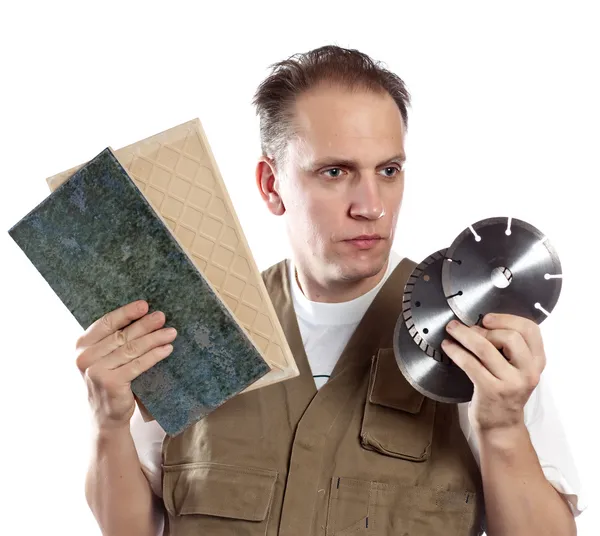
342, 182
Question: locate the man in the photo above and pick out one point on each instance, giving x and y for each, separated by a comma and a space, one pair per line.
348, 447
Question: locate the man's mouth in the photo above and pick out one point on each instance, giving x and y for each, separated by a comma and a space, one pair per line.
365, 241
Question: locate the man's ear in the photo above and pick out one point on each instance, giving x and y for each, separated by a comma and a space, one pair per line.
268, 185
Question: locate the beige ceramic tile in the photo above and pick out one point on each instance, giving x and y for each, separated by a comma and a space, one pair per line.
177, 173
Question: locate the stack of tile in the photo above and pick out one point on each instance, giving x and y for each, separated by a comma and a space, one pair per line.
154, 221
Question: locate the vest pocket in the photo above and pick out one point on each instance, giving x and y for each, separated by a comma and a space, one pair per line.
398, 420
219, 498
365, 507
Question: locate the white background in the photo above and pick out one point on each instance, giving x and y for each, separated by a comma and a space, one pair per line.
505, 122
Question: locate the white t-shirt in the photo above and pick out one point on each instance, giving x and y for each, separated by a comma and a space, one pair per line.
325, 330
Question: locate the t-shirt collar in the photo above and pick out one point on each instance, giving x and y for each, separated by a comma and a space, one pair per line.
333, 314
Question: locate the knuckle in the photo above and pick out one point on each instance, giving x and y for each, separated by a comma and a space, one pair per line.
81, 362
130, 349
80, 343
532, 380
526, 382
120, 337
532, 329
106, 322
93, 373
512, 338
482, 348
136, 367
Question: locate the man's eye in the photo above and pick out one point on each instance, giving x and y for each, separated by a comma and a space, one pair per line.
334, 173
392, 171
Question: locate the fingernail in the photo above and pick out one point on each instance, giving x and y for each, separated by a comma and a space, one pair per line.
489, 317
155, 314
171, 331
452, 325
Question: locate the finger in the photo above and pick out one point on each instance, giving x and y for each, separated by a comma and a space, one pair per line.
131, 370
512, 345
122, 337
119, 338
472, 367
529, 330
137, 347
481, 348
110, 322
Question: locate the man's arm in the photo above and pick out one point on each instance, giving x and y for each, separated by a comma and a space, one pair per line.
505, 360
112, 352
519, 500
116, 489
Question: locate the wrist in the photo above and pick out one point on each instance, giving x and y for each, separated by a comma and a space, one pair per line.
505, 439
110, 431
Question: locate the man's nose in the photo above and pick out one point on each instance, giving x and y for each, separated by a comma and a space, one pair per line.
366, 199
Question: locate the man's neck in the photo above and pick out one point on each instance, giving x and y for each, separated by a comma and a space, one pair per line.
336, 291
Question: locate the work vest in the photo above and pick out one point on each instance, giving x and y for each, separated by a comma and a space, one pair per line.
366, 454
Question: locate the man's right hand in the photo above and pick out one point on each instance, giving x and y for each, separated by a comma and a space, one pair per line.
114, 351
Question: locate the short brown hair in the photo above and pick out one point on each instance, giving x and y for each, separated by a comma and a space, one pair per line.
301, 72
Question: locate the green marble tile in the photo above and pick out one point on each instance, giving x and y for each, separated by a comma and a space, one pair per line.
100, 245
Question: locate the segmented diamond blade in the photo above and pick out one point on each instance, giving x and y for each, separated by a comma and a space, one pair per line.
420, 331
501, 265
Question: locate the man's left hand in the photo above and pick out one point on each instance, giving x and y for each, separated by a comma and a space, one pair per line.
502, 383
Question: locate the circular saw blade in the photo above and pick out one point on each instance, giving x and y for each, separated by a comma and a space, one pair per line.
420, 331
501, 265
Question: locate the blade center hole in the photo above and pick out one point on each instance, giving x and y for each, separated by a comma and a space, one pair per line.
501, 277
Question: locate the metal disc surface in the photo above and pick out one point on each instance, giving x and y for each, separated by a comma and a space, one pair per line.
433, 379
512, 268
420, 331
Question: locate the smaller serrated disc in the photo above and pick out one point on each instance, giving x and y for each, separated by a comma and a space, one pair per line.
420, 331
433, 379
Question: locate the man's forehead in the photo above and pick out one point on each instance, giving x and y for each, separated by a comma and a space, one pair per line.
334, 123
331, 112
345, 149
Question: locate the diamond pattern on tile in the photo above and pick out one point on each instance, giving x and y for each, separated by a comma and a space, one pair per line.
204, 222
211, 227
155, 196
191, 217
263, 325
202, 247
180, 188
159, 177
215, 275
204, 177
222, 257
172, 208
167, 157
234, 286
187, 167
229, 238
241, 268
141, 168
199, 197
185, 236
217, 207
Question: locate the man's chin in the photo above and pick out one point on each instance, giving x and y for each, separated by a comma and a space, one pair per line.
356, 269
